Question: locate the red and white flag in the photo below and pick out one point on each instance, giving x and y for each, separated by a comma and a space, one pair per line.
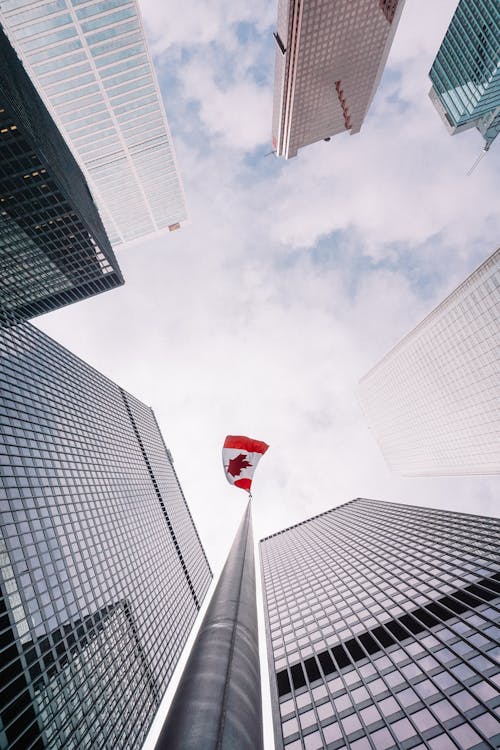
240, 456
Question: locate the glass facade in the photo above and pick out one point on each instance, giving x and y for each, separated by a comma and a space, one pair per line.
431, 401
383, 629
53, 247
466, 72
102, 571
329, 61
91, 63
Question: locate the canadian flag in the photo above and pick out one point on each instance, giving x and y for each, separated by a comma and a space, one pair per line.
240, 456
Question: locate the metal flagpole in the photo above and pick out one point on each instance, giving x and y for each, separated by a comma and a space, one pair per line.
217, 705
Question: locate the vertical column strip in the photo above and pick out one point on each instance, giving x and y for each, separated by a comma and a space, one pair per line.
160, 498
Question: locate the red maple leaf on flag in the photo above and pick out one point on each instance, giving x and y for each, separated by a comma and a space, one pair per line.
237, 464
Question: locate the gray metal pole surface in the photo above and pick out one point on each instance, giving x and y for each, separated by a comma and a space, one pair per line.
217, 705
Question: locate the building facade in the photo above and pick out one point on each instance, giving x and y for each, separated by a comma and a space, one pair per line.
431, 401
466, 72
91, 63
102, 571
329, 61
53, 246
383, 627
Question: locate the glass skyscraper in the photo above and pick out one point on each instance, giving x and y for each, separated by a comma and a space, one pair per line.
432, 401
102, 571
466, 72
53, 247
383, 628
91, 63
330, 57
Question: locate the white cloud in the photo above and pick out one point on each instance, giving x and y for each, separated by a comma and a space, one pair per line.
189, 24
233, 325
402, 179
237, 114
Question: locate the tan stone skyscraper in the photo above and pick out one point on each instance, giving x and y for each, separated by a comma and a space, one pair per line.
329, 60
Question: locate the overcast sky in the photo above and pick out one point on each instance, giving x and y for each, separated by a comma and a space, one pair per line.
292, 279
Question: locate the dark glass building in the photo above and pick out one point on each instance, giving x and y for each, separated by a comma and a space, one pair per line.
102, 571
53, 247
383, 628
466, 72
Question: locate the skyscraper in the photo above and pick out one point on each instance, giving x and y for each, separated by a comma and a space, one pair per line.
466, 72
431, 401
91, 63
329, 61
383, 625
53, 247
102, 571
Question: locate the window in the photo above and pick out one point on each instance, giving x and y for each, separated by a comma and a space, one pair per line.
382, 739
407, 697
307, 719
359, 694
402, 729
444, 710
464, 700
335, 685
332, 732
423, 719
488, 724
484, 691
290, 727
287, 707
351, 723
313, 741
444, 680
388, 706
319, 692
342, 703
442, 742
325, 711
377, 686
361, 744
369, 714
303, 700
465, 735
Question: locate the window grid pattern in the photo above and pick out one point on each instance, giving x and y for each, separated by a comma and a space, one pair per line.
326, 42
466, 72
91, 63
53, 247
432, 401
383, 629
102, 570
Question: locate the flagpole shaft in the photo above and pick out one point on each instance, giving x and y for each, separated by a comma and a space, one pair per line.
217, 705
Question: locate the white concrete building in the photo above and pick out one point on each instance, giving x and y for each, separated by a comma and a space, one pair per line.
90, 62
433, 402
329, 60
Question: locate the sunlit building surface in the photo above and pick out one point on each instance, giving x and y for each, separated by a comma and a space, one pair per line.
383, 625
91, 63
102, 572
432, 401
330, 57
466, 72
53, 247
